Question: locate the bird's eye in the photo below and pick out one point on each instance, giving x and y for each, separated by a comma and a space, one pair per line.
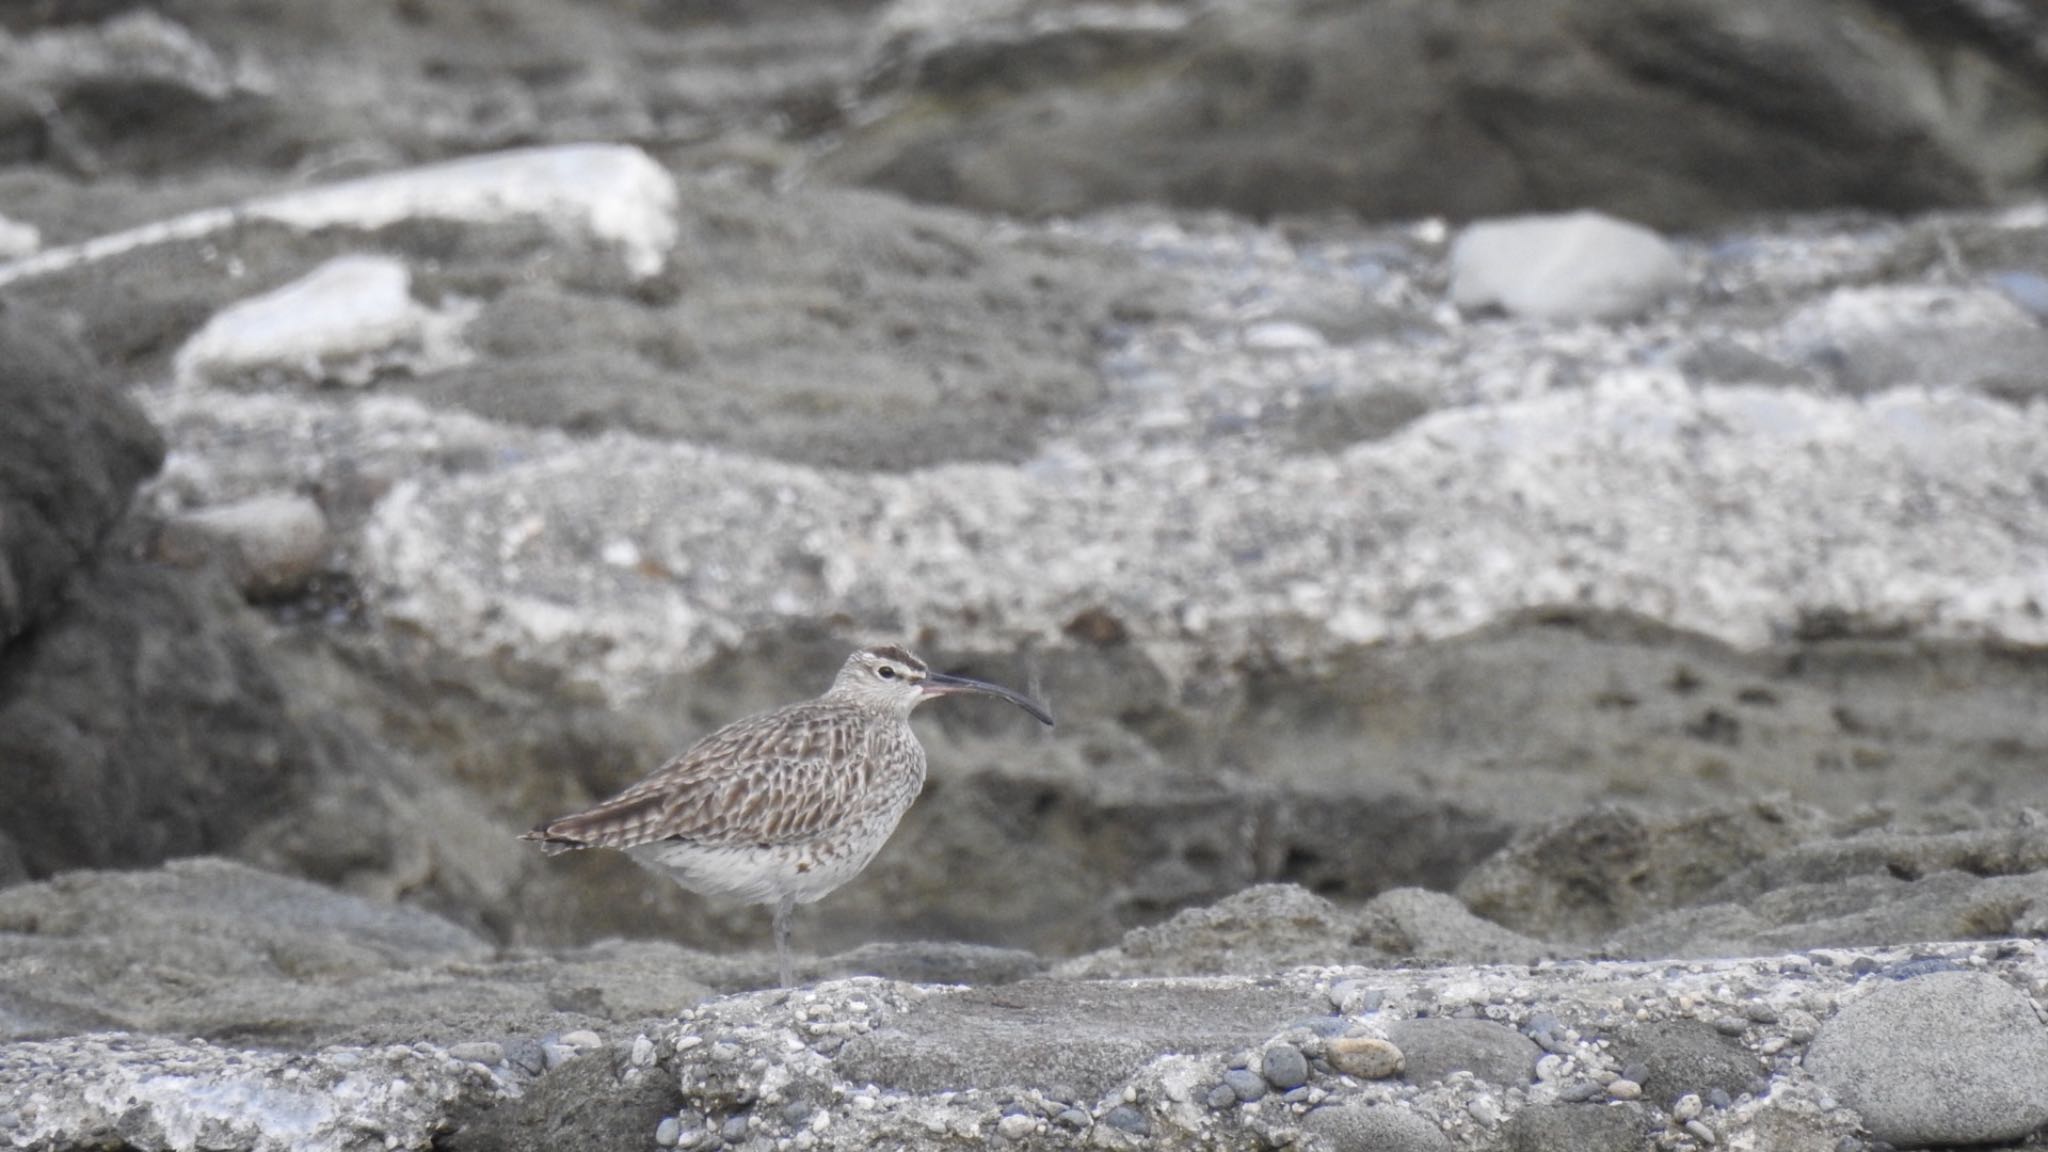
886, 672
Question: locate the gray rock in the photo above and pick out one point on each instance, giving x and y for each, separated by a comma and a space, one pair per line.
179, 737
1245, 1084
1284, 1067
1575, 1128
1125, 1118
1357, 1126
66, 1092
988, 1039
1414, 923
73, 450
267, 545
1591, 873
1042, 109
916, 337
137, 59
219, 949
1871, 339
1259, 929
933, 963
1584, 266
1435, 1047
1680, 1057
585, 1105
1947, 1058
1858, 911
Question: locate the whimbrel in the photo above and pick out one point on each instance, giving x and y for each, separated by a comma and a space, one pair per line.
783, 807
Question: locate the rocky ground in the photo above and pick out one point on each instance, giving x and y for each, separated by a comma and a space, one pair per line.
1526, 683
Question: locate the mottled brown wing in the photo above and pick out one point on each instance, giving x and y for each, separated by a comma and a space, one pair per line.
781, 777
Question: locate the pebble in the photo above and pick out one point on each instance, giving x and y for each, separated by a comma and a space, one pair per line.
1718, 1097
1624, 1089
1016, 1126
734, 1130
1284, 1067
1730, 1025
554, 1053
1485, 1109
478, 1051
582, 1038
1248, 1085
528, 1056
1687, 1107
1283, 336
643, 1051
1366, 1057
1072, 1118
1581, 1092
1701, 1132
1221, 1096
1760, 1012
1125, 1118
668, 1132
1580, 266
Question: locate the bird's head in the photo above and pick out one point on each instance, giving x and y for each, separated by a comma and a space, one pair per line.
889, 678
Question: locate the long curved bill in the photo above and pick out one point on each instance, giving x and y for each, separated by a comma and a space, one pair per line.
940, 684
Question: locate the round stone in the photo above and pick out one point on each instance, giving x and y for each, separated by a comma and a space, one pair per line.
1284, 1067
1245, 1083
1016, 1126
1358, 1124
1945, 1058
1366, 1057
668, 1132
1125, 1118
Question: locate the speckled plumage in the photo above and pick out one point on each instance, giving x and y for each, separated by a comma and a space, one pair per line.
783, 807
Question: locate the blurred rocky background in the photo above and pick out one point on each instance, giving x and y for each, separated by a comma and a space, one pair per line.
1480, 483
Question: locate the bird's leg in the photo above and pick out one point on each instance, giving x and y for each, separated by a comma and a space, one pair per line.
783, 907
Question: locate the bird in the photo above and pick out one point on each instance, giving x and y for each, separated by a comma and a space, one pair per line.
783, 807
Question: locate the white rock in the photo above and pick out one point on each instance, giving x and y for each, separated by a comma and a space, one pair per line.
18, 239
344, 322
1282, 336
618, 194
1582, 266
615, 193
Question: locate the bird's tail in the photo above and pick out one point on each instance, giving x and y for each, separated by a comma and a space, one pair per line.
551, 841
